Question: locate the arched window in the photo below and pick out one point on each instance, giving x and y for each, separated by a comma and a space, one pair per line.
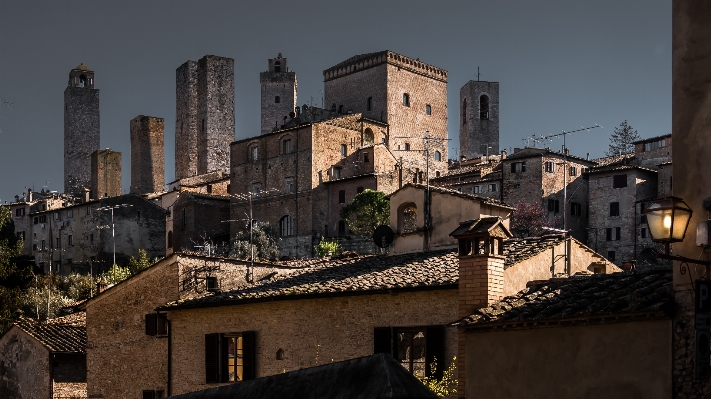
369, 106
428, 109
368, 136
285, 226
83, 81
277, 66
406, 99
407, 218
277, 100
280, 354
438, 156
464, 112
484, 107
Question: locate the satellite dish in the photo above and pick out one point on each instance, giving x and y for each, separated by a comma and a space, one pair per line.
383, 236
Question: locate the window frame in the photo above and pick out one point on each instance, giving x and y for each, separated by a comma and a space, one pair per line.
428, 109
217, 348
254, 153
286, 226
342, 196
614, 209
286, 147
549, 167
438, 156
384, 339
406, 99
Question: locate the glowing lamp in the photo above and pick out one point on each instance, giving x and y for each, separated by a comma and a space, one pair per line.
668, 219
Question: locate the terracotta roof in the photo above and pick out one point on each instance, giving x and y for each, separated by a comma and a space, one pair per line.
443, 190
66, 334
657, 138
529, 152
364, 274
599, 297
463, 170
617, 167
604, 161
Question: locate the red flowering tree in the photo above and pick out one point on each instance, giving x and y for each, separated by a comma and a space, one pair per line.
528, 220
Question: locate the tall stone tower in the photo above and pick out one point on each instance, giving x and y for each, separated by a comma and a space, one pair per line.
105, 174
279, 89
205, 115
479, 118
81, 129
147, 155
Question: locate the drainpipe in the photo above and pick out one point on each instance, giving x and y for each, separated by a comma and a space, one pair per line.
170, 356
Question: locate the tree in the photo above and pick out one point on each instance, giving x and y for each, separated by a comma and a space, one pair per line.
445, 386
264, 240
529, 219
135, 265
368, 210
15, 271
115, 275
621, 140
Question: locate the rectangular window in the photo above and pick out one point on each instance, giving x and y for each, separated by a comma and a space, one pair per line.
492, 188
91, 237
550, 166
575, 209
88, 210
289, 186
366, 157
643, 232
611, 256
476, 190
407, 146
341, 196
428, 109
59, 243
553, 206
359, 190
344, 150
19, 212
70, 240
518, 167
229, 357
406, 99
256, 189
287, 146
619, 181
55, 215
613, 233
36, 220
21, 235
44, 246
614, 209
43, 219
341, 227
573, 171
414, 347
336, 173
255, 153
70, 213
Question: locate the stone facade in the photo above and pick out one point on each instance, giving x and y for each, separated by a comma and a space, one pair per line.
81, 129
479, 119
479, 176
105, 174
653, 151
24, 365
205, 117
198, 219
147, 155
279, 89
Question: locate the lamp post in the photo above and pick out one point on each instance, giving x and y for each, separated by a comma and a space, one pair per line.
113, 232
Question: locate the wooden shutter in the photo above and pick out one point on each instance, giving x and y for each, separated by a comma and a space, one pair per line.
434, 349
249, 355
212, 358
382, 340
151, 324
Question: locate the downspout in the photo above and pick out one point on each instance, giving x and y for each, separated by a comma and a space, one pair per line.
170, 356
51, 374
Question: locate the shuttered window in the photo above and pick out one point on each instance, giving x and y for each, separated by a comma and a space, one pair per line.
405, 344
230, 357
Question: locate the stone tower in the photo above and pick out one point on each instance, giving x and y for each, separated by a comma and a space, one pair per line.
81, 129
279, 89
147, 155
105, 174
204, 116
479, 118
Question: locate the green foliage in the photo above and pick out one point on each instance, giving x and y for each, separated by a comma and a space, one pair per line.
135, 265
44, 300
367, 211
78, 287
264, 240
445, 386
328, 248
621, 139
115, 275
15, 271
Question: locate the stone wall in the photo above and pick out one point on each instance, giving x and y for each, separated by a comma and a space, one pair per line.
309, 331
81, 136
186, 124
274, 84
24, 366
198, 218
478, 130
147, 155
105, 174
215, 112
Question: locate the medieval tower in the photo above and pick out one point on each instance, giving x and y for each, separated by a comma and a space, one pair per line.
105, 174
279, 89
479, 118
204, 116
81, 129
147, 155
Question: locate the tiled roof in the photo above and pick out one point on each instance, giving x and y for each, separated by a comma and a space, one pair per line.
617, 167
443, 190
463, 170
529, 152
657, 138
599, 296
604, 161
67, 335
207, 196
420, 270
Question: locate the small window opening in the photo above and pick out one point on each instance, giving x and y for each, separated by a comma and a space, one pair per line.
437, 156
428, 109
369, 106
277, 67
280, 354
484, 107
277, 100
406, 99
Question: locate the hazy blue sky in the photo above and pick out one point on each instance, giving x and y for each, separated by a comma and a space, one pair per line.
561, 64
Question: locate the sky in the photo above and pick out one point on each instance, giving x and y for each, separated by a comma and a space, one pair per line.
561, 65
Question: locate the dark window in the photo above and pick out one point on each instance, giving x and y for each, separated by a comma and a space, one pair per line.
285, 226
341, 196
614, 209
575, 209
464, 112
229, 357
428, 109
277, 100
407, 146
151, 327
550, 166
203, 125
71, 240
369, 106
185, 220
518, 167
613, 233
211, 283
277, 66
280, 354
341, 227
36, 220
643, 232
619, 181
492, 187
286, 146
611, 256
406, 99
170, 239
438, 156
19, 212
59, 242
149, 394
416, 348
366, 157
484, 107
340, 109
344, 150
21, 235
44, 246
573, 171
553, 205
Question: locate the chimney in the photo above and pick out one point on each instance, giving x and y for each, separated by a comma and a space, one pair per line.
503, 154
86, 194
29, 195
481, 272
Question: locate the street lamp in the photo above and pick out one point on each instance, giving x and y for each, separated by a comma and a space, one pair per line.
113, 234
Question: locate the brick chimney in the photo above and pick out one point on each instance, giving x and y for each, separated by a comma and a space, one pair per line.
481, 274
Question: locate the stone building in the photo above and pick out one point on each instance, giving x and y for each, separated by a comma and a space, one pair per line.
44, 359
105, 174
479, 176
81, 129
479, 119
205, 116
147, 155
199, 219
279, 89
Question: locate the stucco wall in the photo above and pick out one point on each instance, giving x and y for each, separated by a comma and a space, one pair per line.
623, 360
310, 331
24, 366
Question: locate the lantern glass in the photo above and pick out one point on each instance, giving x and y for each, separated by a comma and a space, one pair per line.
668, 219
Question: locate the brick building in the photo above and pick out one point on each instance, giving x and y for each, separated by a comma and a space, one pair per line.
204, 116
105, 174
147, 155
81, 129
